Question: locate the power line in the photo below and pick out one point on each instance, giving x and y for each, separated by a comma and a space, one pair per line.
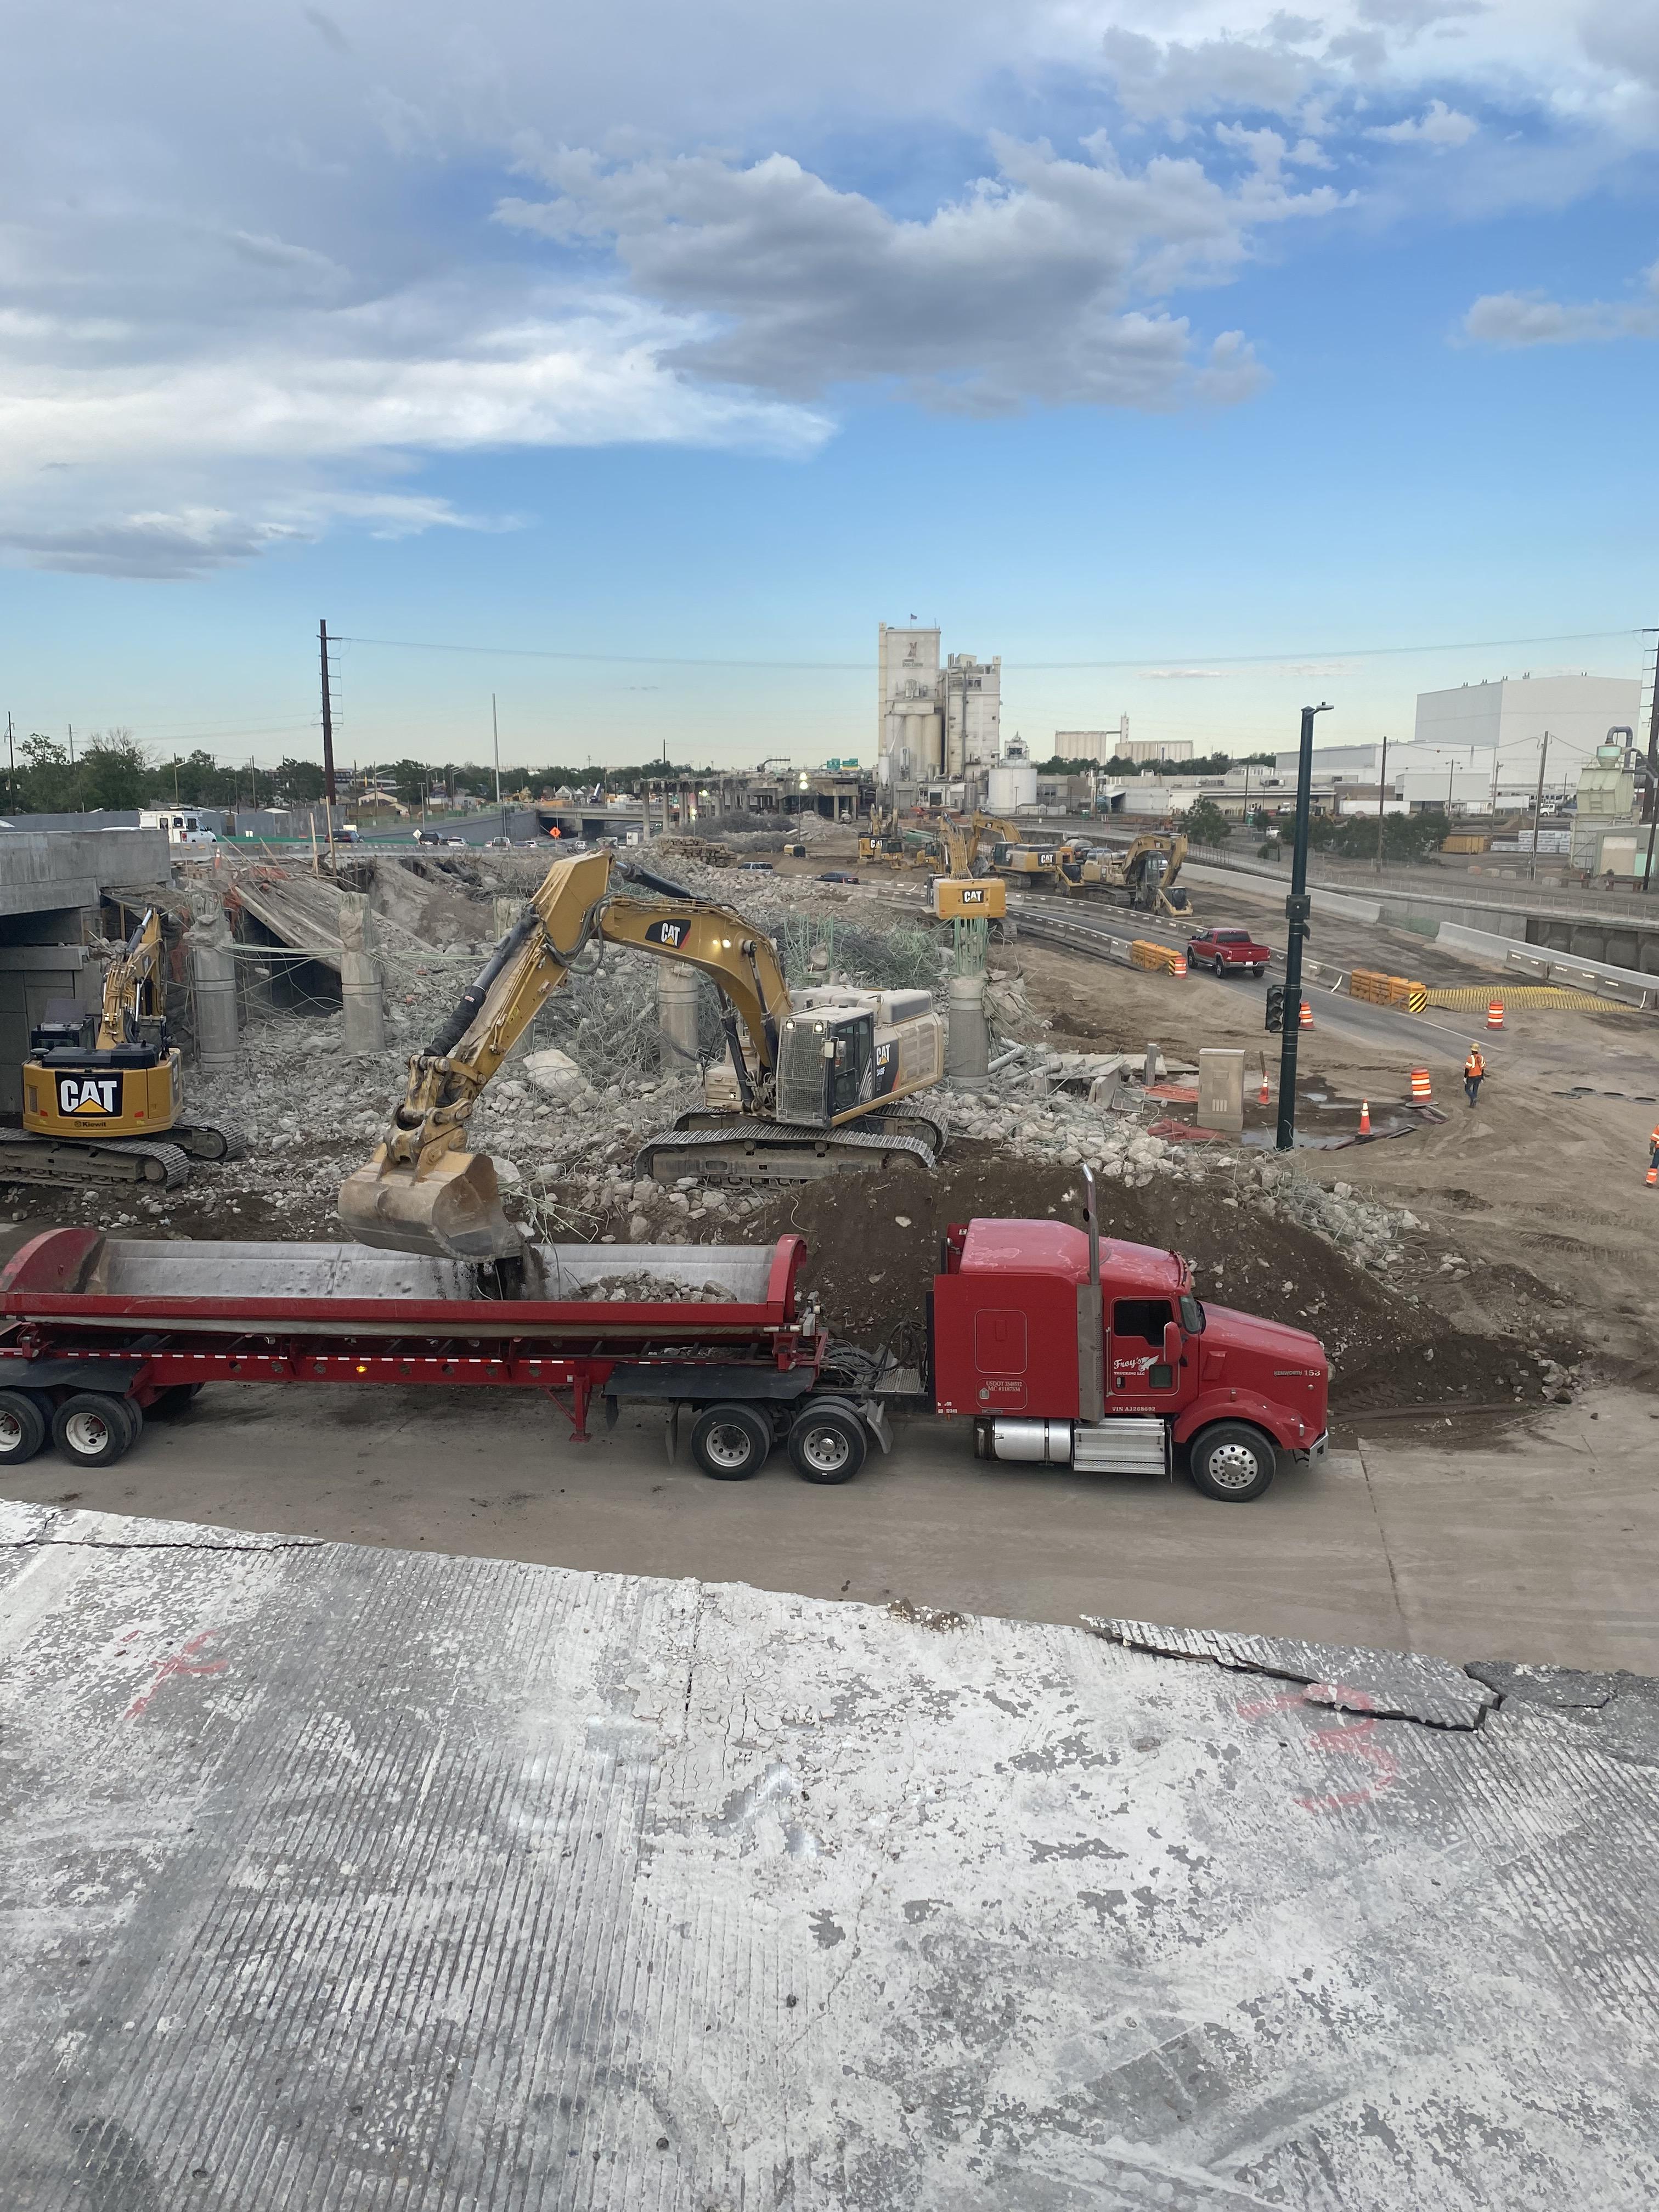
861, 667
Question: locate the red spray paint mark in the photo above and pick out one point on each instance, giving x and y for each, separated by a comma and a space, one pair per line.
182, 1661
1361, 1741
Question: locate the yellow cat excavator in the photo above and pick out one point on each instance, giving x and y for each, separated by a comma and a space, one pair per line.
809, 1085
1143, 874
104, 1104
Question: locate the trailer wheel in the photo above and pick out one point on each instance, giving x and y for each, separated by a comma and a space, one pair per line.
827, 1444
22, 1428
1232, 1462
92, 1428
731, 1442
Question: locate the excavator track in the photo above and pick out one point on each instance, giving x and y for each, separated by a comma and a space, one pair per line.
132, 1161
205, 1143
739, 1150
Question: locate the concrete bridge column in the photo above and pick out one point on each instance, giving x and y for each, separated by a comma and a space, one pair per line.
361, 1001
967, 1035
213, 981
677, 1020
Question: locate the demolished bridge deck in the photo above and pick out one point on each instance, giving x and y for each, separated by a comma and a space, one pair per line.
345, 1877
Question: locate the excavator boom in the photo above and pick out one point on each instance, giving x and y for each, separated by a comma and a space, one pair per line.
422, 1192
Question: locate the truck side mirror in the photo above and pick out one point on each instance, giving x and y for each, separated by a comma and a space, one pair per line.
1171, 1344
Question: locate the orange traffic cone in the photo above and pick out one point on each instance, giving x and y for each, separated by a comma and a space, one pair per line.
1265, 1095
1180, 966
1420, 1084
1653, 1178
1307, 1015
1364, 1117
1495, 1015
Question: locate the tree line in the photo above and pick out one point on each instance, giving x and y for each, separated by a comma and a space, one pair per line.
1211, 764
112, 771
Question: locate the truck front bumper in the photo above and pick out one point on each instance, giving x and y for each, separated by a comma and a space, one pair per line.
1316, 1451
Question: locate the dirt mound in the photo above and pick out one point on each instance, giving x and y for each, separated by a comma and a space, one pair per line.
873, 1248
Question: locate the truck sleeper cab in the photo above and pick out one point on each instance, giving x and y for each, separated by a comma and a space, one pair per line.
1067, 1349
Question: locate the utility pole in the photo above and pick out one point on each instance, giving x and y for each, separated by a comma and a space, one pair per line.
495, 740
1652, 794
11, 765
328, 725
1382, 793
1296, 913
1538, 803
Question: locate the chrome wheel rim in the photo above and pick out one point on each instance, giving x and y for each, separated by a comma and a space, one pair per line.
729, 1446
825, 1450
86, 1432
12, 1433
1233, 1467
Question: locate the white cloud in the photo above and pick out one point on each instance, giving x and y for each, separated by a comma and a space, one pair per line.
249, 277
1513, 320
1044, 282
1438, 126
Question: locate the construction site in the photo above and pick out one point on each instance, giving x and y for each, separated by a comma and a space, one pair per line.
620, 1587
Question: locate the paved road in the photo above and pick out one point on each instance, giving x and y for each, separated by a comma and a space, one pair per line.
1375, 1025
1542, 1544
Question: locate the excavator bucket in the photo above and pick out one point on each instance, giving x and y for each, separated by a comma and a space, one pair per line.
452, 1209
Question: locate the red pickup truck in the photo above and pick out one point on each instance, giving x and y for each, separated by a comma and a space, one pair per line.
1220, 950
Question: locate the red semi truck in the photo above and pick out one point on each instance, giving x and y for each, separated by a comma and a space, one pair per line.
1062, 1347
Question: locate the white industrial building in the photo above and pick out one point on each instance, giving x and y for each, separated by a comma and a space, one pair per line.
1476, 750
1511, 715
934, 723
1102, 745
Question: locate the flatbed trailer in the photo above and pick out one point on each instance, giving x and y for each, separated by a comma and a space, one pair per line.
96, 1331
1061, 1347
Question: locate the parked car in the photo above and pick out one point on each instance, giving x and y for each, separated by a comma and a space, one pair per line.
499, 844
1227, 951
838, 876
754, 867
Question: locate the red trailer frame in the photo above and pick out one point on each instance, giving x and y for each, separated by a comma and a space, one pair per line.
56, 1336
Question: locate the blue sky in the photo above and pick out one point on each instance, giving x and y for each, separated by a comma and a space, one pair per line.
1169, 338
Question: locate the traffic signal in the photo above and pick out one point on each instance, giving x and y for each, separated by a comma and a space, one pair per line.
1275, 1006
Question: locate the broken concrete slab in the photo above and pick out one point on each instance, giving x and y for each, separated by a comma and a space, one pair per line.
1392, 1685
342, 1878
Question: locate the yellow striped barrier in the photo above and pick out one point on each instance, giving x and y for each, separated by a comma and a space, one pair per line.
1143, 953
1556, 995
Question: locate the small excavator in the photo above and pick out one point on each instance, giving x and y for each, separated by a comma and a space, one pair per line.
103, 1104
808, 1086
1066, 866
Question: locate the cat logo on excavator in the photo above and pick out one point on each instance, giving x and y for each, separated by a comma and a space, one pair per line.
90, 1094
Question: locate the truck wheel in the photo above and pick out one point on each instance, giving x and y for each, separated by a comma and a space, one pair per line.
731, 1442
827, 1444
1218, 966
92, 1428
1232, 1462
22, 1428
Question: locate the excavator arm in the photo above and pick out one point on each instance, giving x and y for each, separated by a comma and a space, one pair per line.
130, 985
422, 1192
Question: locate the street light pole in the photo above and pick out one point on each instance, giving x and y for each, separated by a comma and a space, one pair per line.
1296, 913
495, 740
1382, 793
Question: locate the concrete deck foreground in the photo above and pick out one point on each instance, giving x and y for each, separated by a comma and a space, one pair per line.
335, 1877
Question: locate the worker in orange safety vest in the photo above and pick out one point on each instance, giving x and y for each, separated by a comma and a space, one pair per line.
1474, 1069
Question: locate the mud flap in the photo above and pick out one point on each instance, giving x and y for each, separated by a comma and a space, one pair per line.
671, 1432
875, 1419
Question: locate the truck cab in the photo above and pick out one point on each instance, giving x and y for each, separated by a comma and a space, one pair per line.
1068, 1349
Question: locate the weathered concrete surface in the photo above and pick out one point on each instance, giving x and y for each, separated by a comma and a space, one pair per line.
346, 1878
